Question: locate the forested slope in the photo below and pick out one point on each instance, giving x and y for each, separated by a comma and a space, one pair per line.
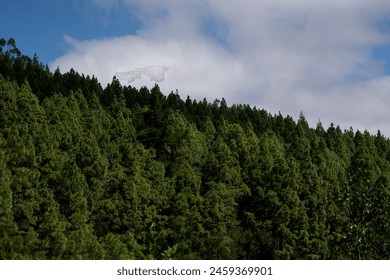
88, 172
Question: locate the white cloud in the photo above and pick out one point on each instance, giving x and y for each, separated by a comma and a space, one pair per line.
288, 56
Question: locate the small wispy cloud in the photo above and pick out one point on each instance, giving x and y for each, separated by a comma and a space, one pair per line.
155, 73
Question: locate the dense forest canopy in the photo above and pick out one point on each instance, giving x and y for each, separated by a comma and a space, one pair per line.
88, 172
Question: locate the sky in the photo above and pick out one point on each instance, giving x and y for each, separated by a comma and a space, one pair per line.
329, 59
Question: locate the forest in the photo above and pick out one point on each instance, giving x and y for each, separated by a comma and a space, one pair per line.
115, 172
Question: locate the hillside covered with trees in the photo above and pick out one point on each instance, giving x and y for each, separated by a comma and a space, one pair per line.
92, 172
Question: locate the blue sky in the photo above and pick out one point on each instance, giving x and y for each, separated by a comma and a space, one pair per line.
327, 58
39, 26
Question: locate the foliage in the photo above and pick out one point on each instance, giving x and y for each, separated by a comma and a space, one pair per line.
121, 173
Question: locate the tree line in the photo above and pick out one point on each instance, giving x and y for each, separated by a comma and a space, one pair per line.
115, 172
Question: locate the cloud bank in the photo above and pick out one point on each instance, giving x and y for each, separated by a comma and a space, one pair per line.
287, 56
